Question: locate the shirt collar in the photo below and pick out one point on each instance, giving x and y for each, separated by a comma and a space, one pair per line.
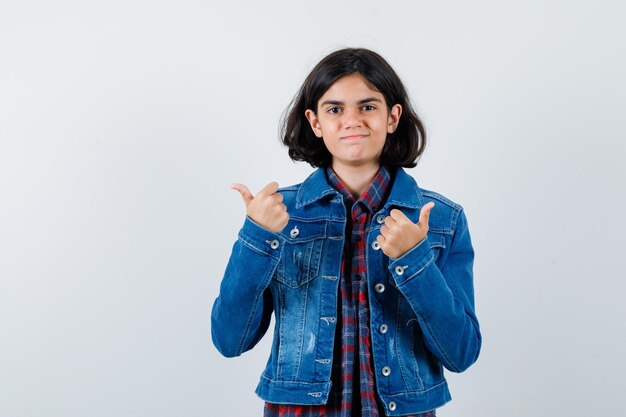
373, 197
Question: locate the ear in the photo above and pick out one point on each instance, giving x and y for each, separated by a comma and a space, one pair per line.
394, 118
314, 122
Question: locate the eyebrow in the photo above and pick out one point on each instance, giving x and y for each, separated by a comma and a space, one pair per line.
363, 101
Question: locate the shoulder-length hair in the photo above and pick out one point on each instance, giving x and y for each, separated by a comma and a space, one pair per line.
402, 148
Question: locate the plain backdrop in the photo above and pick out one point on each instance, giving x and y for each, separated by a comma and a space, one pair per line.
123, 124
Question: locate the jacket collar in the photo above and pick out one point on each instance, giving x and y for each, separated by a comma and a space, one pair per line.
404, 191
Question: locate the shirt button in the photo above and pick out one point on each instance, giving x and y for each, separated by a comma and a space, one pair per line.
358, 238
380, 219
274, 244
294, 232
383, 328
386, 371
399, 270
379, 288
376, 245
392, 405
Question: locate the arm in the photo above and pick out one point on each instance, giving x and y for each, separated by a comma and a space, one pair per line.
443, 300
241, 313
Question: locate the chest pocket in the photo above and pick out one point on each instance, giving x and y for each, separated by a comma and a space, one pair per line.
302, 252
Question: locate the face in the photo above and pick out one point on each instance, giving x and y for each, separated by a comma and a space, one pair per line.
353, 121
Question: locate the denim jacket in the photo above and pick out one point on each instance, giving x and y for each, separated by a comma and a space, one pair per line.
421, 304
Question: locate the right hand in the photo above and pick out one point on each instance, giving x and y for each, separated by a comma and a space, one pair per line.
266, 208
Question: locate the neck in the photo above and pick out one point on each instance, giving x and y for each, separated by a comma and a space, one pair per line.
356, 178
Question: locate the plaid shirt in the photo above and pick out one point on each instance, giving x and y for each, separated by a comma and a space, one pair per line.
352, 392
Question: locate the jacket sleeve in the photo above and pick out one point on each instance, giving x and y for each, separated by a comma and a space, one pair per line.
242, 311
443, 299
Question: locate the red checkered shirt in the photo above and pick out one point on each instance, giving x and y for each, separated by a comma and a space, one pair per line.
352, 393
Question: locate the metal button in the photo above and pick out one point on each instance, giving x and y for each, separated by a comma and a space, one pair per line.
392, 405
386, 371
383, 328
376, 245
379, 287
294, 232
399, 270
380, 219
274, 243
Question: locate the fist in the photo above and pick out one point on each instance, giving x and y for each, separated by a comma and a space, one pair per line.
399, 234
266, 208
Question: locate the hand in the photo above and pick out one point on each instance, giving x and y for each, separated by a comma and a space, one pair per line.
399, 234
266, 208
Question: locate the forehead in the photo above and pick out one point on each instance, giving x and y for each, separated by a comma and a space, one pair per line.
353, 86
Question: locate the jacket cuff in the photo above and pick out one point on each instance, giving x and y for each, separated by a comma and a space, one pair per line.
411, 263
261, 239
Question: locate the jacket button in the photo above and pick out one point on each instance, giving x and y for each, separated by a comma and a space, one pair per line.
274, 244
383, 328
376, 245
399, 270
294, 232
380, 219
392, 406
386, 371
379, 288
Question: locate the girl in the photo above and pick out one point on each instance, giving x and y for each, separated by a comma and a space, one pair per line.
371, 287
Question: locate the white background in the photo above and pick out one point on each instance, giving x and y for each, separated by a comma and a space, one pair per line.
123, 124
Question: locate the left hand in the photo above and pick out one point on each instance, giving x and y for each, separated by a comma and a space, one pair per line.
399, 234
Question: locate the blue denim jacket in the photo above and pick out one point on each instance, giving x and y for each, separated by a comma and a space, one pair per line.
425, 298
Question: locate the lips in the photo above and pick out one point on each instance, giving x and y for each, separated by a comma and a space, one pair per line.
353, 137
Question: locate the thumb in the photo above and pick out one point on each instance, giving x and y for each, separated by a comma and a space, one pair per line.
425, 212
244, 191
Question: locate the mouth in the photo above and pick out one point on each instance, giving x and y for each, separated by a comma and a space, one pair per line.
352, 137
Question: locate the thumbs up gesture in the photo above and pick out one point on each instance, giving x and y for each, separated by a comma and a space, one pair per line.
399, 234
266, 208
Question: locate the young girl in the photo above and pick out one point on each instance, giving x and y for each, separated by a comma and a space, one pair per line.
369, 275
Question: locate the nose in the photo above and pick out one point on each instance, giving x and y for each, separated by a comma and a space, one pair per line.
352, 118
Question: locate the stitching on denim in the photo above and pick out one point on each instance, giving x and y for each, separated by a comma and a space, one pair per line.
300, 330
436, 196
404, 393
397, 345
420, 382
418, 271
281, 344
254, 248
257, 297
454, 222
328, 320
246, 329
439, 347
282, 381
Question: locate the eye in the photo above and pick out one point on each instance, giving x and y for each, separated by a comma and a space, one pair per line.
368, 107
333, 110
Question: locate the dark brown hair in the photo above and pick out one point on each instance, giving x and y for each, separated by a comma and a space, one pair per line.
409, 139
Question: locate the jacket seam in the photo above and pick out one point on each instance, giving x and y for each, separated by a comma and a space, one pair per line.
257, 297
453, 366
251, 246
